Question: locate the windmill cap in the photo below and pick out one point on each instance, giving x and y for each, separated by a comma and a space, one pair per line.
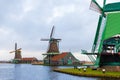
112, 7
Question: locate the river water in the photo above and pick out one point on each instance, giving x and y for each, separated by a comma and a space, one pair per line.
36, 72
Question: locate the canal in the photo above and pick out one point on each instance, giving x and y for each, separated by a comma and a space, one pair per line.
36, 72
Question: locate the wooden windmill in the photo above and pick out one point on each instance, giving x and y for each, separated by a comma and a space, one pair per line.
53, 46
17, 52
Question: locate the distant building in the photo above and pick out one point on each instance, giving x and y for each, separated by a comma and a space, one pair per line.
28, 60
65, 58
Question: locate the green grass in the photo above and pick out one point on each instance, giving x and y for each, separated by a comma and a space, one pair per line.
89, 72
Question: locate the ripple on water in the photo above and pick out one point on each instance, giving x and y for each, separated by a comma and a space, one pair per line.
34, 72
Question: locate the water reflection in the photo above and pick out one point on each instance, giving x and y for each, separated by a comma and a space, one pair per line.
36, 72
17, 72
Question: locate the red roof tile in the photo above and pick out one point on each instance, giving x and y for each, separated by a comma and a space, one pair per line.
28, 59
59, 56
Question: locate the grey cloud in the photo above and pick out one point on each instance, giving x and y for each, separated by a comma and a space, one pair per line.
75, 27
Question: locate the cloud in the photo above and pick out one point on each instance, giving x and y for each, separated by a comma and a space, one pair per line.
61, 11
6, 55
4, 31
27, 21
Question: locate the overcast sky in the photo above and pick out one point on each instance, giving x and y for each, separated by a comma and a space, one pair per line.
27, 21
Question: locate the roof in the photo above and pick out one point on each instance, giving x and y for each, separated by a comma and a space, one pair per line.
50, 53
59, 56
112, 7
29, 59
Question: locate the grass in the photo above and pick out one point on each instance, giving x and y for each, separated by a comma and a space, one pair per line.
89, 72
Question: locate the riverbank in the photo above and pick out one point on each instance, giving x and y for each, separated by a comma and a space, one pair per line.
88, 72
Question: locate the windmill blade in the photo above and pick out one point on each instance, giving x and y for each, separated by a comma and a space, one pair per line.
51, 35
95, 6
12, 52
15, 46
57, 39
19, 49
16, 50
45, 39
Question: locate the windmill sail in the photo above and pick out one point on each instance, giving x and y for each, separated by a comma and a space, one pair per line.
15, 46
53, 46
95, 6
51, 35
45, 39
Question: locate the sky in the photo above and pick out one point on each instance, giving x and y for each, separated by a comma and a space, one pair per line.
27, 21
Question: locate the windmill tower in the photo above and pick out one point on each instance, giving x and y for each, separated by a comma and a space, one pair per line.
107, 39
18, 56
53, 48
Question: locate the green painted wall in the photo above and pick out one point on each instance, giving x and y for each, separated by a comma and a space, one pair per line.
112, 25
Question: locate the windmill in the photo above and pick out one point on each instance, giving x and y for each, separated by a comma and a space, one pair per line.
17, 52
53, 46
105, 39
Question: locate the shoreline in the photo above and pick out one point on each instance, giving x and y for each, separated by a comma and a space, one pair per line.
89, 73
